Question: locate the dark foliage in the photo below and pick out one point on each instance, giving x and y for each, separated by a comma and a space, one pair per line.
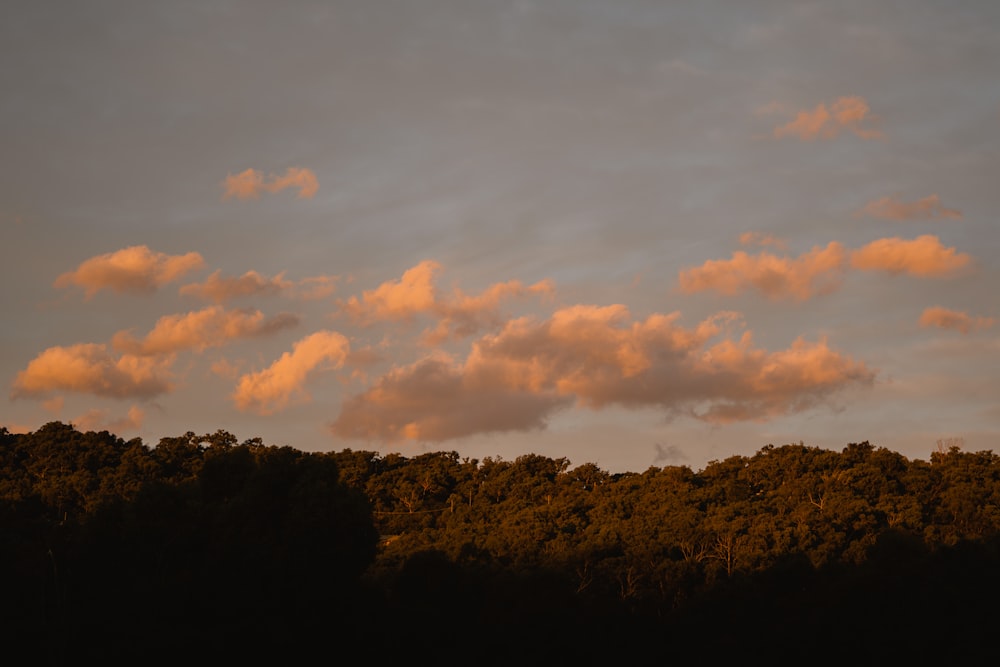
203, 549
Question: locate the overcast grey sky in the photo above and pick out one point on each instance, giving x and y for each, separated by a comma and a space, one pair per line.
628, 233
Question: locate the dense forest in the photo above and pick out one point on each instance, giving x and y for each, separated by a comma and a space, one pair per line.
203, 548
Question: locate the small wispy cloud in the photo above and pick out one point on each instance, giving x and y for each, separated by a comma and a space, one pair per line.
251, 183
135, 269
221, 289
271, 389
99, 420
945, 318
814, 273
90, 368
762, 239
894, 208
924, 256
397, 300
850, 114
198, 330
821, 270
458, 314
668, 453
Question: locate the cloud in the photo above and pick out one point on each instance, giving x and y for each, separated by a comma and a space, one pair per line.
88, 368
846, 113
462, 315
458, 314
923, 256
197, 330
668, 453
221, 289
251, 183
953, 319
893, 208
817, 272
821, 270
314, 287
397, 300
136, 269
435, 400
54, 404
761, 239
271, 389
597, 356
97, 420
225, 368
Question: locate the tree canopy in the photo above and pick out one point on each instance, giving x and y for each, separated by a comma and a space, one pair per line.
232, 548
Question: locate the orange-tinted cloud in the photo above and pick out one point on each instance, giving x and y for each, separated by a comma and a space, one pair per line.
221, 289
271, 389
415, 294
89, 368
360, 361
97, 420
761, 239
846, 113
54, 404
435, 400
135, 269
462, 315
251, 183
924, 256
314, 287
954, 319
893, 208
210, 327
396, 300
597, 356
225, 368
817, 272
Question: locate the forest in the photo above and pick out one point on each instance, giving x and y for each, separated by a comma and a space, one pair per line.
203, 548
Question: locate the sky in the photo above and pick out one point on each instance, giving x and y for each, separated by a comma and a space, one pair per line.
628, 233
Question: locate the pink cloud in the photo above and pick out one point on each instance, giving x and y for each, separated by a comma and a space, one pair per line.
954, 319
251, 183
846, 113
893, 208
197, 330
924, 256
136, 269
597, 356
817, 272
271, 389
89, 368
